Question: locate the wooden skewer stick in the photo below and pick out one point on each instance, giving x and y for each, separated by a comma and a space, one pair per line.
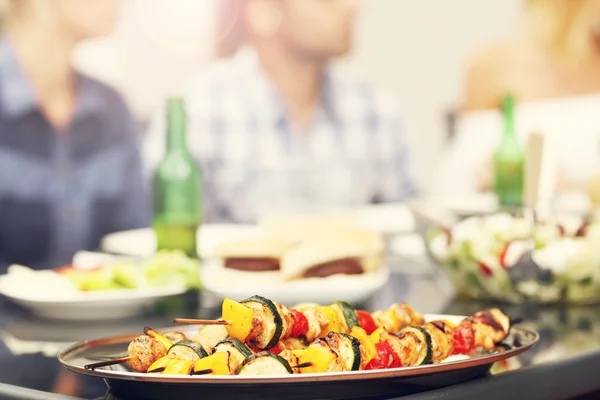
303, 365
107, 363
191, 321
103, 358
202, 372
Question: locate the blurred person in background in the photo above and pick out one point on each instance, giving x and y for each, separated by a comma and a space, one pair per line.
69, 165
276, 122
552, 68
557, 55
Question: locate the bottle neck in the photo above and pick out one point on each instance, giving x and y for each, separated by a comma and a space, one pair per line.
176, 127
509, 122
509, 126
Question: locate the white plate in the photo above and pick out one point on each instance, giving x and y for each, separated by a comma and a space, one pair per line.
74, 305
240, 285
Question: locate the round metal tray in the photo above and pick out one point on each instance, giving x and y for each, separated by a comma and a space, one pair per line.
343, 385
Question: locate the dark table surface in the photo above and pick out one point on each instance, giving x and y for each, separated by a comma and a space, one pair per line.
564, 364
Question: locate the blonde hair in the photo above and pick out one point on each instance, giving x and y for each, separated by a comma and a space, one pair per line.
563, 25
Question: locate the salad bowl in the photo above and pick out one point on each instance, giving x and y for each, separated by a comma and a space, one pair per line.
482, 256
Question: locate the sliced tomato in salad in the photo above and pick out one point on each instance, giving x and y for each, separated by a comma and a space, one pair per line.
448, 233
63, 269
71, 268
503, 256
485, 270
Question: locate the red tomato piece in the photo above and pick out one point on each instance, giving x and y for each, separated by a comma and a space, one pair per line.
386, 358
395, 361
464, 339
375, 363
300, 327
366, 321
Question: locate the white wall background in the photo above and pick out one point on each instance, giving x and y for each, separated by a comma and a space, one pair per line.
418, 48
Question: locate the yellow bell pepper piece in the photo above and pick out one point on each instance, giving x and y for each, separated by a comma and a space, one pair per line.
178, 367
450, 324
370, 352
161, 338
218, 362
332, 316
320, 358
376, 335
240, 319
298, 352
161, 362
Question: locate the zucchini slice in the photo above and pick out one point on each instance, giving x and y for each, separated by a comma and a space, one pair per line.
425, 351
348, 313
237, 350
232, 344
271, 323
347, 348
187, 350
265, 363
442, 340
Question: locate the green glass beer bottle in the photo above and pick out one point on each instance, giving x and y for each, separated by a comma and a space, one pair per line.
177, 188
509, 161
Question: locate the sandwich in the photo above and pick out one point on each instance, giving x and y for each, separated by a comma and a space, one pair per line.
251, 255
334, 251
293, 229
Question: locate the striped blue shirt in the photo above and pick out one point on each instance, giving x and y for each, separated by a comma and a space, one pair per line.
60, 193
256, 162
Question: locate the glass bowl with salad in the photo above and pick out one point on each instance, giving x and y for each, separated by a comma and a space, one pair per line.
483, 257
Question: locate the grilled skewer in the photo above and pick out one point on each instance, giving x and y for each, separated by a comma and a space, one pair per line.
144, 350
428, 343
390, 338
262, 323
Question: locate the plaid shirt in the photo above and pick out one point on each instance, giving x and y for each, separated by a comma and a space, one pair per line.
256, 162
60, 193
